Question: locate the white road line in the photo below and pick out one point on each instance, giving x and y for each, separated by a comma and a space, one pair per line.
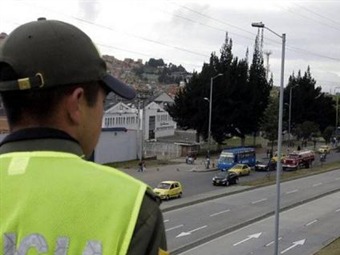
317, 184
218, 213
166, 221
179, 226
272, 242
259, 201
337, 210
310, 223
292, 191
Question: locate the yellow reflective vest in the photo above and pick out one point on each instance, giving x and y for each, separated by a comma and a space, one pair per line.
57, 203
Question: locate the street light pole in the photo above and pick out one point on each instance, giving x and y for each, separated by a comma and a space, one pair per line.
290, 113
210, 110
279, 142
336, 110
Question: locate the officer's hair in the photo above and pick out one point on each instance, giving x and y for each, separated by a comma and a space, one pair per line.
39, 104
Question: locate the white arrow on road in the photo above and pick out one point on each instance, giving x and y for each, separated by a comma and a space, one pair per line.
257, 235
301, 242
190, 232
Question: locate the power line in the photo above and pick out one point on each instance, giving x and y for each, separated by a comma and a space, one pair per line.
317, 14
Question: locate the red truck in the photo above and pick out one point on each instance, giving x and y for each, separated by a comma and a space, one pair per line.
298, 159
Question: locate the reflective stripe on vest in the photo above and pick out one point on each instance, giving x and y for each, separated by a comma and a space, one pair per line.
58, 203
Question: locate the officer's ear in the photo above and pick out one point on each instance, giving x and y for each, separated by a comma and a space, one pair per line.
75, 103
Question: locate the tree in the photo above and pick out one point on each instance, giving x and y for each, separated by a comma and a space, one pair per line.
328, 133
308, 102
259, 90
269, 121
306, 129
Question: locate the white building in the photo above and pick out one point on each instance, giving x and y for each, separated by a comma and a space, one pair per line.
158, 122
154, 120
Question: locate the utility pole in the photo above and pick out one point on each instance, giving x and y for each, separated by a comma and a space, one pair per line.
141, 97
268, 53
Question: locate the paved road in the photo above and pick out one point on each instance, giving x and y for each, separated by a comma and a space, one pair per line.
196, 180
304, 230
198, 188
192, 225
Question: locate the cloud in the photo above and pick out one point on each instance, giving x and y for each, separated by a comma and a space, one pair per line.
89, 9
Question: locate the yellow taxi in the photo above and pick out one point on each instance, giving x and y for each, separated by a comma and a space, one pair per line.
324, 149
275, 157
169, 189
240, 169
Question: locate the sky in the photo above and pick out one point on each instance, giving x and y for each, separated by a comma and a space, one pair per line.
186, 32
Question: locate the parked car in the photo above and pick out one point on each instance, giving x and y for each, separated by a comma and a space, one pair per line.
240, 169
225, 178
169, 189
261, 166
324, 149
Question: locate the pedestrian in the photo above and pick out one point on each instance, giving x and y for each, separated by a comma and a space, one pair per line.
141, 166
53, 85
207, 161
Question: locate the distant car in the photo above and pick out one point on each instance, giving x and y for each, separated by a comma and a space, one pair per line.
225, 178
275, 157
169, 189
240, 169
324, 149
261, 166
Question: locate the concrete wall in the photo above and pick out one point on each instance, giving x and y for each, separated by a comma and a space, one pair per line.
162, 150
113, 146
116, 146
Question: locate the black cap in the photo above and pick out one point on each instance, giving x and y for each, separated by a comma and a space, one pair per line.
47, 53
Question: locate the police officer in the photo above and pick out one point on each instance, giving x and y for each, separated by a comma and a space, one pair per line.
53, 84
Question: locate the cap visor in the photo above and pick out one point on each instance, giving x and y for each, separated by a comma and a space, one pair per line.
120, 88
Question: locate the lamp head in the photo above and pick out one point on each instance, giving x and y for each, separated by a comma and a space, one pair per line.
257, 24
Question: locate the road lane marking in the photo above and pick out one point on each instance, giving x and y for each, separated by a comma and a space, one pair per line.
218, 213
272, 242
301, 242
257, 235
179, 226
191, 231
337, 210
166, 221
317, 184
292, 191
310, 223
259, 201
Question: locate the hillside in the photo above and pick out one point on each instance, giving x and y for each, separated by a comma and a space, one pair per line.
153, 74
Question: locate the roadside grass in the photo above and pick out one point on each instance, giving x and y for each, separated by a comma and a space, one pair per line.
331, 249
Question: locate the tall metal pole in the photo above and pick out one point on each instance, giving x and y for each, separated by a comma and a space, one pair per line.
279, 141
336, 110
139, 131
210, 110
279, 150
290, 114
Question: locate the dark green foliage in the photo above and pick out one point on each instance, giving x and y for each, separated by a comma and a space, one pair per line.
269, 121
238, 99
328, 133
308, 102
